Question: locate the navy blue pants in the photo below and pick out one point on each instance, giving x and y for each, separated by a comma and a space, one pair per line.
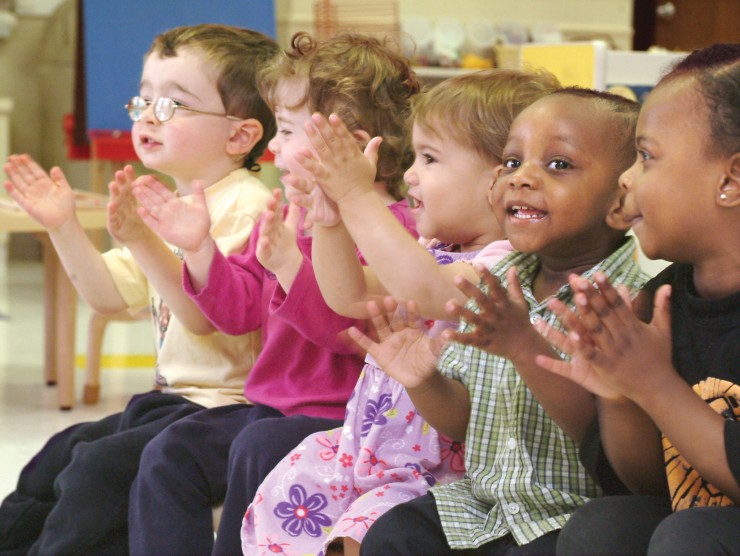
646, 525
415, 528
72, 497
185, 472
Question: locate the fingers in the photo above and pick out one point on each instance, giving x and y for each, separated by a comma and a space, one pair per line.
372, 149
311, 165
291, 218
303, 185
267, 221
147, 196
557, 366
56, 174
591, 306
514, 288
318, 131
576, 340
662, 309
489, 288
329, 135
361, 339
28, 169
459, 313
379, 320
405, 315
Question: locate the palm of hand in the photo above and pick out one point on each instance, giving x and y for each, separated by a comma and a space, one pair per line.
583, 372
183, 224
501, 327
48, 203
323, 210
279, 246
124, 223
633, 358
407, 356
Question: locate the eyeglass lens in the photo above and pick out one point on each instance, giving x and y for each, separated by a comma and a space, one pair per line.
164, 108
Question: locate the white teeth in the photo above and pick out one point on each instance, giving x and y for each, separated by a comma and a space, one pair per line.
523, 212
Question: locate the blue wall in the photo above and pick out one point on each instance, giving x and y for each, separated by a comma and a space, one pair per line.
117, 35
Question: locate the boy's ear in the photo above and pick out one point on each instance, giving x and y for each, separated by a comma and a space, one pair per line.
244, 137
615, 216
728, 192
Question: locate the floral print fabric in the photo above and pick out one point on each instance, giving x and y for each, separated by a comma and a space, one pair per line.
337, 483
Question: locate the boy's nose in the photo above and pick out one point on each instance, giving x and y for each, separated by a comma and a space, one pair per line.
273, 147
147, 115
522, 177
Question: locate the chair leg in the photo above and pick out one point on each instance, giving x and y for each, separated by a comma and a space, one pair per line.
95, 333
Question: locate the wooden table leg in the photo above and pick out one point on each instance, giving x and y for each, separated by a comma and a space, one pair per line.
51, 267
66, 319
60, 312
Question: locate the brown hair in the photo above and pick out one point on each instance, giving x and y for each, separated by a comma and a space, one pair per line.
476, 109
235, 55
363, 80
716, 71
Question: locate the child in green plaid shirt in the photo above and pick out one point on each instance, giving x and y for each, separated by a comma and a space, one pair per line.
558, 198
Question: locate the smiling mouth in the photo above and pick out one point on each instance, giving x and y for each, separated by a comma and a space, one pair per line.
522, 212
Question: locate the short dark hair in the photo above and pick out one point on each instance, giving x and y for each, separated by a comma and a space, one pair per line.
716, 71
235, 54
624, 109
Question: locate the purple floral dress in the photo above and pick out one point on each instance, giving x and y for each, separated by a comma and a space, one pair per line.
337, 483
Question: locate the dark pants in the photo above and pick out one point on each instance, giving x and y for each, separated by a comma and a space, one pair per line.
72, 497
185, 471
616, 525
415, 528
252, 456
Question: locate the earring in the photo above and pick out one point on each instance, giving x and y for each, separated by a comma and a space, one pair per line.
723, 196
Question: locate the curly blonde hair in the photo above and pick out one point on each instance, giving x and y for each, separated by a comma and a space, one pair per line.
363, 80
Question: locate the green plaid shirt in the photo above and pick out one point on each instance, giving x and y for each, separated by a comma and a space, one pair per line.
523, 474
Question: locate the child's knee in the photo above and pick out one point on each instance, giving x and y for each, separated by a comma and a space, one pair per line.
693, 531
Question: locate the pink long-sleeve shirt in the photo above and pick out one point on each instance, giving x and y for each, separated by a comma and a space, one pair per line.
306, 366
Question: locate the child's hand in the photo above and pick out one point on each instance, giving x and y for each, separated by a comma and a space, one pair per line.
185, 225
628, 356
576, 343
124, 223
277, 249
501, 326
404, 350
48, 198
340, 167
321, 210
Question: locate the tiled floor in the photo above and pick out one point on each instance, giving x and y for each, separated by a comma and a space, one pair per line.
28, 409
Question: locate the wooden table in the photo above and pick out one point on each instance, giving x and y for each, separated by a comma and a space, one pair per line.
60, 297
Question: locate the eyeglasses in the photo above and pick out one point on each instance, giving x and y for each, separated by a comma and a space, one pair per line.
164, 109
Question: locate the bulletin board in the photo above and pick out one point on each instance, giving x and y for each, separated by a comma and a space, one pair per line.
581, 64
115, 35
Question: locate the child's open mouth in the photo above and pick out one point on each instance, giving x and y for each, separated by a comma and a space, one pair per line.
522, 212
